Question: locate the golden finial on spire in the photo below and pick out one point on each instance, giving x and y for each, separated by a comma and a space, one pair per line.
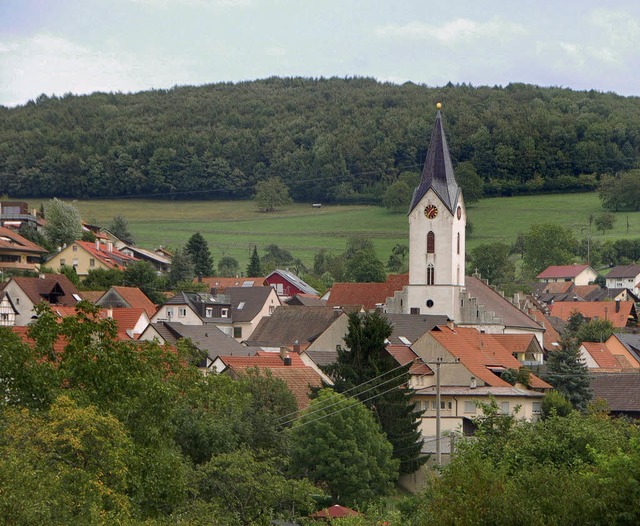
439, 105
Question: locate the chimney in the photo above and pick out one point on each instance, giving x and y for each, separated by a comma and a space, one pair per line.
473, 383
97, 244
296, 347
284, 351
450, 324
617, 305
287, 360
109, 312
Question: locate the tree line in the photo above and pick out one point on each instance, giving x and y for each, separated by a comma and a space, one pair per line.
328, 139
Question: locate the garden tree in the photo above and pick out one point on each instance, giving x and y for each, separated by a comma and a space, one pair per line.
365, 359
397, 197
63, 222
361, 264
518, 246
324, 450
621, 190
142, 274
470, 182
594, 331
275, 257
548, 244
68, 465
568, 374
271, 193
254, 268
328, 266
71, 273
248, 490
182, 268
555, 403
102, 279
492, 262
228, 267
398, 259
119, 227
197, 249
29, 232
605, 221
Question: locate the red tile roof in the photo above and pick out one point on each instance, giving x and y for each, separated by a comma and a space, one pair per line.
58, 345
478, 352
136, 299
220, 284
602, 355
561, 271
110, 258
126, 318
334, 512
366, 294
514, 342
602, 310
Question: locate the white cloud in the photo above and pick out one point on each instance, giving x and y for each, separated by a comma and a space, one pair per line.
165, 4
458, 31
54, 65
276, 51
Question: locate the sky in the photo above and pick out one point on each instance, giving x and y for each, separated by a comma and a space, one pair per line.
81, 46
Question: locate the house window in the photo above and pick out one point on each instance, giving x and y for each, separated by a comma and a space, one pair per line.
92, 262
224, 313
536, 408
75, 248
279, 288
504, 408
415, 310
170, 312
237, 332
470, 407
430, 274
182, 312
209, 312
433, 405
271, 309
75, 262
62, 262
431, 243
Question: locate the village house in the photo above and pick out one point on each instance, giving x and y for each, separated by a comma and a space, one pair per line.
578, 274
624, 276
620, 313
287, 284
85, 256
18, 253
218, 285
161, 263
16, 214
8, 312
132, 297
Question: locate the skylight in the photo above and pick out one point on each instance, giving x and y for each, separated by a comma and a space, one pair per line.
241, 305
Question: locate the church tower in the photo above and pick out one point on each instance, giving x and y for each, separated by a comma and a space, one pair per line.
437, 219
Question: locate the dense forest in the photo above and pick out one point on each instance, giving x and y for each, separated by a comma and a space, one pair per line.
330, 140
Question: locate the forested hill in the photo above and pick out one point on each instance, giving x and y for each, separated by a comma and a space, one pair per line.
328, 139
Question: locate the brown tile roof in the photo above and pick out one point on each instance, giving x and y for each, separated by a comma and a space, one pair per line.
306, 299
136, 299
515, 342
334, 512
478, 352
403, 355
367, 294
511, 315
221, 284
11, 240
603, 310
561, 271
621, 391
126, 318
288, 324
58, 345
624, 271
37, 288
91, 295
551, 334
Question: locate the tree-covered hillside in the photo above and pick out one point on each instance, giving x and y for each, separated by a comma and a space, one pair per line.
340, 140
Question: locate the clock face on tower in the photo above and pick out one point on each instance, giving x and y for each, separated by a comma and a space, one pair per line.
431, 212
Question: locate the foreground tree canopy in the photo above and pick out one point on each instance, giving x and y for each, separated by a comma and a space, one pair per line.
329, 140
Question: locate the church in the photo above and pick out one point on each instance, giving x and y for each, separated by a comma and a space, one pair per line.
437, 282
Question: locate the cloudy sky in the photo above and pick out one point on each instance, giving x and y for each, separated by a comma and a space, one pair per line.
81, 46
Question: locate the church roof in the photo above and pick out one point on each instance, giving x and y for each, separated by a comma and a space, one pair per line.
437, 173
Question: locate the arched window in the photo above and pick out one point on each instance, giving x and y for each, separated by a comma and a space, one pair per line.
458, 245
431, 243
430, 274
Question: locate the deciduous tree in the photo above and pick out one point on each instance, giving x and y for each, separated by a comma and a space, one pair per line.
272, 193
63, 222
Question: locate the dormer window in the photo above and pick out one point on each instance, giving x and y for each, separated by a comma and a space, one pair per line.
224, 313
209, 312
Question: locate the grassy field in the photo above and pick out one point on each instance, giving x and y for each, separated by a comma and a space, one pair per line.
233, 227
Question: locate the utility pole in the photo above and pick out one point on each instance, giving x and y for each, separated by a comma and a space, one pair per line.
438, 363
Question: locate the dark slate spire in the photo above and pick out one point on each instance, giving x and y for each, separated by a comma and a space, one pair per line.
438, 171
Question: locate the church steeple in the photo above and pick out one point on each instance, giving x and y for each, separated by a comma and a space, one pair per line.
437, 173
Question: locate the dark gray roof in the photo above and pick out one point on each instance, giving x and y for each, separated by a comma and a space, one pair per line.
322, 357
621, 391
290, 324
631, 341
309, 301
205, 337
295, 280
438, 171
412, 326
511, 315
253, 298
624, 271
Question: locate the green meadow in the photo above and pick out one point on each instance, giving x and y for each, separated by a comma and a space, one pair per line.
232, 228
